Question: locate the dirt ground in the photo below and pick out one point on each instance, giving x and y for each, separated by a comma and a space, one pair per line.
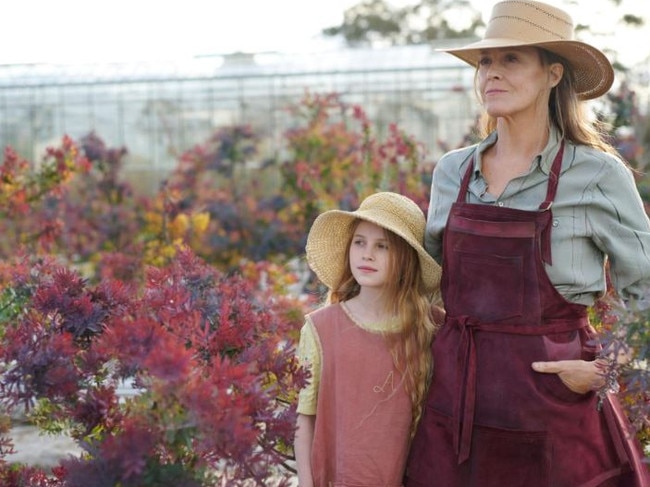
35, 448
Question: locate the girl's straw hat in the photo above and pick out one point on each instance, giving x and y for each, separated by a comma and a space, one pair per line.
330, 235
529, 23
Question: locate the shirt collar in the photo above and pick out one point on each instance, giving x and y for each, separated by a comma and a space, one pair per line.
482, 146
544, 159
550, 151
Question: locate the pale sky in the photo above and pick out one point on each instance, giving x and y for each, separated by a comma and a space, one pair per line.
69, 31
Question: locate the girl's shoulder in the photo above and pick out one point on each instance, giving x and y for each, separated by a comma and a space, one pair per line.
324, 312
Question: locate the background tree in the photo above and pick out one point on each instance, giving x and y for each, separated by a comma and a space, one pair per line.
620, 19
376, 22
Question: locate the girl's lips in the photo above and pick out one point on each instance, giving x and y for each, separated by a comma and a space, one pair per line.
367, 269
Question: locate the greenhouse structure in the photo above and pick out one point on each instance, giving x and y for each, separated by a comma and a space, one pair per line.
157, 110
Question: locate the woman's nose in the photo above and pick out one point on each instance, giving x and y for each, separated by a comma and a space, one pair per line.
493, 71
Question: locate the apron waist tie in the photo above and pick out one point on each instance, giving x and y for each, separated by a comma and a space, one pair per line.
464, 405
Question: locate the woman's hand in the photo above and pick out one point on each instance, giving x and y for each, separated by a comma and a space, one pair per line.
579, 376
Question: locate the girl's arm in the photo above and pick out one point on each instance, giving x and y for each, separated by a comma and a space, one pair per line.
302, 448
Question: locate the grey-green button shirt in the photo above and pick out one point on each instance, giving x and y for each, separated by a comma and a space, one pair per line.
597, 214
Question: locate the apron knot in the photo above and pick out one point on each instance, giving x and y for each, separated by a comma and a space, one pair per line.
464, 404
466, 367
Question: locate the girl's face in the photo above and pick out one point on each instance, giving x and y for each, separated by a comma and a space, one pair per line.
369, 255
514, 80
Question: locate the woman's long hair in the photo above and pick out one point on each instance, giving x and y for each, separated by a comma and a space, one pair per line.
407, 300
566, 111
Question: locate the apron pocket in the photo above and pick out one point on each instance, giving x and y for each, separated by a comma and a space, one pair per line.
475, 292
512, 458
561, 348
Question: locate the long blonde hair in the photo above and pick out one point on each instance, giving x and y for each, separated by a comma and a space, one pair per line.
566, 111
406, 298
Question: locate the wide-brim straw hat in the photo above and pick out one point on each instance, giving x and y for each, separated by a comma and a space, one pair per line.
330, 235
515, 23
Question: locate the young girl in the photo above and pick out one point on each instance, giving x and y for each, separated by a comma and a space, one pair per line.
368, 348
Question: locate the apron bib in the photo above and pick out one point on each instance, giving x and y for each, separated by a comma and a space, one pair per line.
489, 419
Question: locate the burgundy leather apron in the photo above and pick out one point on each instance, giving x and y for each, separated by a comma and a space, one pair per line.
490, 420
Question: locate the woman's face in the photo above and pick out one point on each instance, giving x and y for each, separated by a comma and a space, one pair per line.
514, 81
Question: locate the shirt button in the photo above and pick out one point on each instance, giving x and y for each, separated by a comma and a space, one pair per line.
556, 222
500, 203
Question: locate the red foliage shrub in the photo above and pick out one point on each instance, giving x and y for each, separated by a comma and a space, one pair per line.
208, 352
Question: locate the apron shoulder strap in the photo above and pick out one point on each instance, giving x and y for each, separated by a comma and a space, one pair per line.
464, 185
551, 191
553, 179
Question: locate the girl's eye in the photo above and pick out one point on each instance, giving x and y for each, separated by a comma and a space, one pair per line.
357, 242
382, 246
511, 58
483, 61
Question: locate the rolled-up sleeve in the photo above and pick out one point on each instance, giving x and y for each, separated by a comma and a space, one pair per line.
309, 355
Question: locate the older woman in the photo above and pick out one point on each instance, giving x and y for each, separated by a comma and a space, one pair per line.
523, 223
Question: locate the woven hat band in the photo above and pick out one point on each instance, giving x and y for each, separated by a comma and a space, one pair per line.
529, 22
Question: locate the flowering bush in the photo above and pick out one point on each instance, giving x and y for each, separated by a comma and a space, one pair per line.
116, 293
216, 202
263, 211
336, 161
625, 332
29, 214
208, 353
